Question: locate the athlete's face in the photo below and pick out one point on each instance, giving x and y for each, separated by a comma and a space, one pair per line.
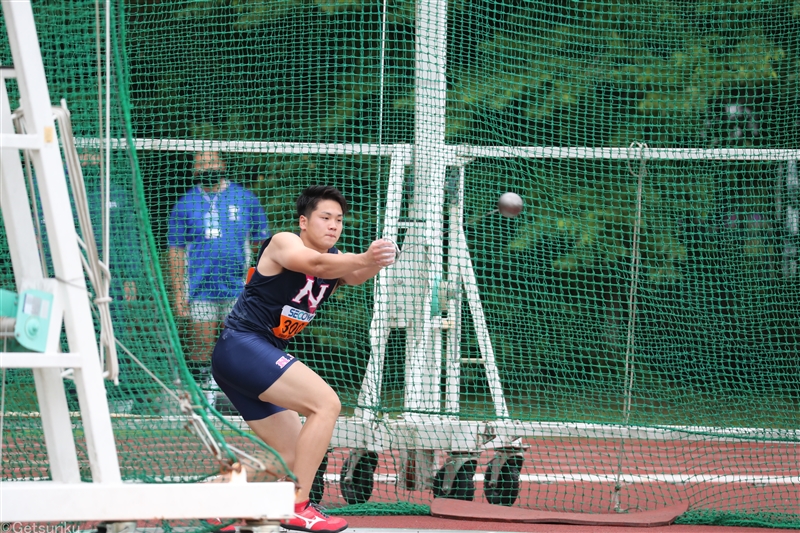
324, 227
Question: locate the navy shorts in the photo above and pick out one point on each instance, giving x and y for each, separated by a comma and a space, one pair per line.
244, 365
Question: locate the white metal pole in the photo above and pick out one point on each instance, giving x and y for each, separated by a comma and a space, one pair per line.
379, 326
18, 221
382, 74
630, 367
422, 371
454, 299
107, 174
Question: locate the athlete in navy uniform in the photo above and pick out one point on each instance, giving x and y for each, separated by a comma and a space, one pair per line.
294, 276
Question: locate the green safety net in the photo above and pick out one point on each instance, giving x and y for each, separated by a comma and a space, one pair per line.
628, 342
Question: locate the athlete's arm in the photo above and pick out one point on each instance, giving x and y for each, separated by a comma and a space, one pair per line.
286, 250
357, 277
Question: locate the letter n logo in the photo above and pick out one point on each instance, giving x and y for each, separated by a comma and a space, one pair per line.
313, 301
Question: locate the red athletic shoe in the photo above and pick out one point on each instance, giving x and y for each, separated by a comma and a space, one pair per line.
314, 520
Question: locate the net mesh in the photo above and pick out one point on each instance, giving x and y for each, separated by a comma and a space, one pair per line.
629, 340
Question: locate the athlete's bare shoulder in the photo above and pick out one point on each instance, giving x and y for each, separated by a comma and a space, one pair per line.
286, 238
286, 251
270, 262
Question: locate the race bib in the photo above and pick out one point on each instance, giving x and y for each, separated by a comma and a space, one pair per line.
292, 322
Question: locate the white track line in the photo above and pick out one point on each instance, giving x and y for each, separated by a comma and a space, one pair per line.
677, 479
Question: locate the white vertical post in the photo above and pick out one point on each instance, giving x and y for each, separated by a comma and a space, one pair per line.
791, 219
479, 321
13, 197
61, 233
379, 326
454, 290
430, 159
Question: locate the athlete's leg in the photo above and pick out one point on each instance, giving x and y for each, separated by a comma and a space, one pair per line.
218, 311
301, 390
244, 365
280, 432
206, 321
207, 317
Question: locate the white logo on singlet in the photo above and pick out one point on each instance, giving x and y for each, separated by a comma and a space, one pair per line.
313, 301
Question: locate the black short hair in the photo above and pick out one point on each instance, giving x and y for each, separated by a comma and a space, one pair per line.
310, 198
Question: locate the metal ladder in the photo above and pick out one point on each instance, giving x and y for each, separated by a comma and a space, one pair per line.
68, 288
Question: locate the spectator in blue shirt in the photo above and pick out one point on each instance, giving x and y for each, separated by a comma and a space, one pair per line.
212, 231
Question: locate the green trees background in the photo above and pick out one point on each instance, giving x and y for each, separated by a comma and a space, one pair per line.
714, 312
671, 74
561, 73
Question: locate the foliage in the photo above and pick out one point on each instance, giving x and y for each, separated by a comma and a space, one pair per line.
531, 73
670, 73
587, 73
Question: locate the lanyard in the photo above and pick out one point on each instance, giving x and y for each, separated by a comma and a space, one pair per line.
213, 201
211, 218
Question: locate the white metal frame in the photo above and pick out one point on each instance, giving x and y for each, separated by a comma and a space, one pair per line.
65, 496
393, 295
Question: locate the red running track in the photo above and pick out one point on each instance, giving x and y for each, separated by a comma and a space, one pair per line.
579, 474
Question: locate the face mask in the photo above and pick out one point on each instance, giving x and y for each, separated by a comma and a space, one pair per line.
208, 178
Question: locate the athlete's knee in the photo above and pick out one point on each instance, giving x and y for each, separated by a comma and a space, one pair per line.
335, 405
327, 404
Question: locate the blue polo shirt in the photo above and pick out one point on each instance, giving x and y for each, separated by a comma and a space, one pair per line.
216, 229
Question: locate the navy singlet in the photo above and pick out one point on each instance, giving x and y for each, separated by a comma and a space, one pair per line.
279, 306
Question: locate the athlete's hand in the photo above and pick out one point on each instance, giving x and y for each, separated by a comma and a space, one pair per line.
382, 252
